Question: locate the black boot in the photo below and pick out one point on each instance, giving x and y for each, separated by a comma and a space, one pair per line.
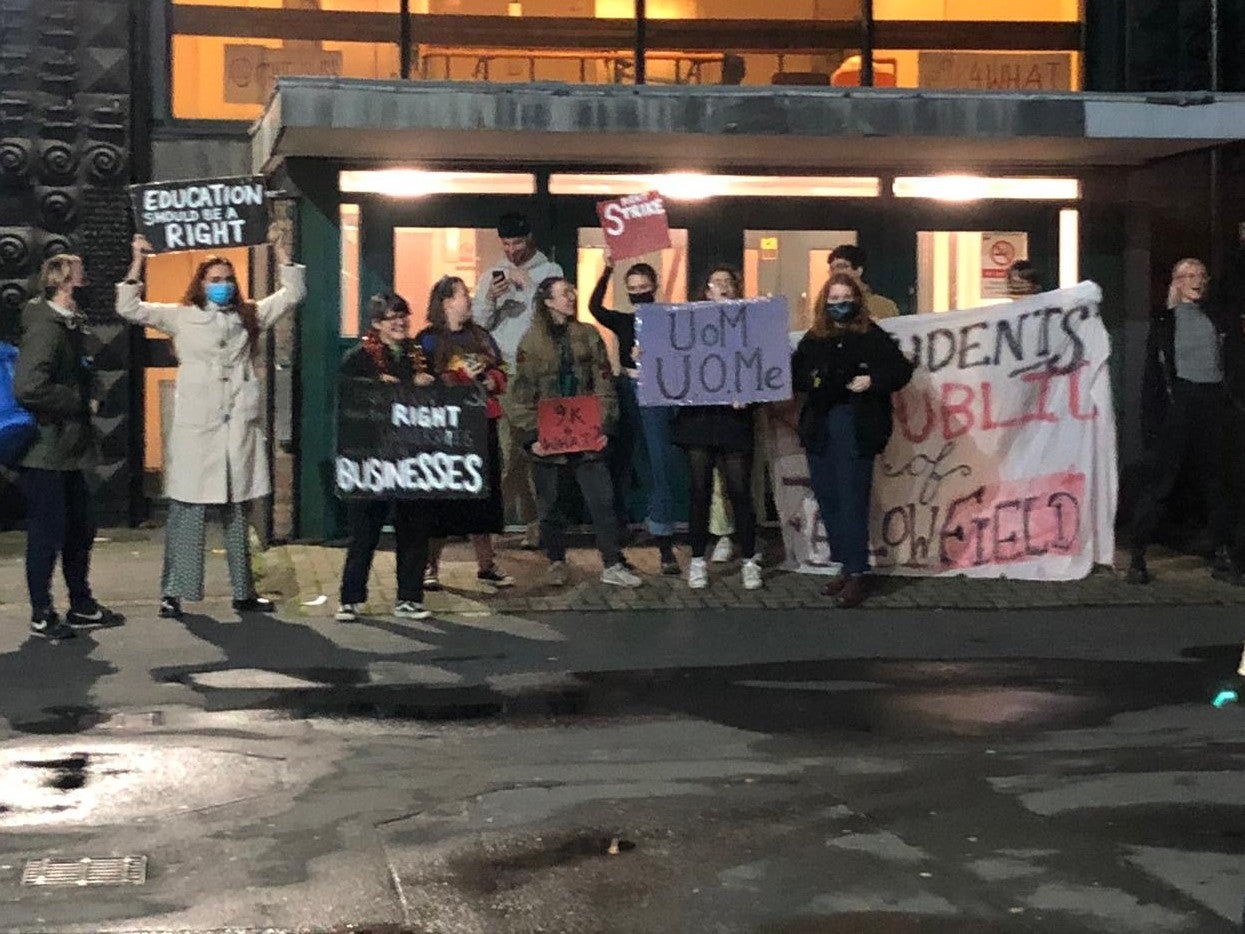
1138, 573
669, 563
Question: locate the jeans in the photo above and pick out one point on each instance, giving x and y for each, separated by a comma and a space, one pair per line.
412, 526
735, 468
593, 478
842, 482
621, 451
662, 461
59, 522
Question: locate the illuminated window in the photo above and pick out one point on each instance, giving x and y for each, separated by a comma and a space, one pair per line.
349, 216
689, 186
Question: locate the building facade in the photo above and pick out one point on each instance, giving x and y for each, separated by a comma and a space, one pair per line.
1099, 140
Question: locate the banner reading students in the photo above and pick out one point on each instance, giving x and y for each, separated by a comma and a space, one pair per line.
203, 214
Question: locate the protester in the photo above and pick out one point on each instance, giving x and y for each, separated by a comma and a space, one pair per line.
504, 303
217, 453
651, 423
53, 379
461, 353
848, 367
1186, 413
1022, 279
388, 355
561, 358
721, 437
851, 260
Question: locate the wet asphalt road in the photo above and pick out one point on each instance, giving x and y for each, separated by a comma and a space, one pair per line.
1041, 772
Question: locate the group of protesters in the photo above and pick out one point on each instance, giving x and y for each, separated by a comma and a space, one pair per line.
519, 341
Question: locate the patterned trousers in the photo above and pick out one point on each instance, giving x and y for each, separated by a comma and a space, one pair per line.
185, 538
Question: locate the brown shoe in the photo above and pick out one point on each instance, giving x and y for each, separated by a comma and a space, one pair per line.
854, 591
835, 587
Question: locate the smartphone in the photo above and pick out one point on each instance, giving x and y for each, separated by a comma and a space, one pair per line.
498, 276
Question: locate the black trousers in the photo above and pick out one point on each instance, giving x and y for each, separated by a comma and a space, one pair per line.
736, 467
412, 523
1196, 431
60, 522
593, 476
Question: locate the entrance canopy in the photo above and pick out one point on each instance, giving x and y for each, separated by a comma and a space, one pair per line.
762, 128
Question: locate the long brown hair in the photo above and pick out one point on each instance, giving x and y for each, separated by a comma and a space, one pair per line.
441, 293
824, 325
196, 295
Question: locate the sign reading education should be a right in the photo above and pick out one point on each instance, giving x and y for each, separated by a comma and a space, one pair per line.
714, 353
214, 213
635, 225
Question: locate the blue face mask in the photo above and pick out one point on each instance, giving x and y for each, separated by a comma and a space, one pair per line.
842, 311
220, 293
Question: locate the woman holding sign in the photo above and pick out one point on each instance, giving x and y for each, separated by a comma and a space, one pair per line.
216, 455
720, 437
386, 354
652, 423
560, 358
461, 353
849, 367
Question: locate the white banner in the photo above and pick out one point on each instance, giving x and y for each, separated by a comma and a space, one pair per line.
1003, 461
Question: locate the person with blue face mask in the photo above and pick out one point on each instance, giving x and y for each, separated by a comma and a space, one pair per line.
846, 367
216, 454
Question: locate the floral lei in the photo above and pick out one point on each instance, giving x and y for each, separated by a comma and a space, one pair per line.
375, 348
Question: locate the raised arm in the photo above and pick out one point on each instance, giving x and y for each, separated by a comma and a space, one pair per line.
130, 304
293, 284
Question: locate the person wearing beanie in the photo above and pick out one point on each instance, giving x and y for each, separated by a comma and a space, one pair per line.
503, 305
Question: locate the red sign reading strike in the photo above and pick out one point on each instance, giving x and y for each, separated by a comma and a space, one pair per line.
568, 425
634, 225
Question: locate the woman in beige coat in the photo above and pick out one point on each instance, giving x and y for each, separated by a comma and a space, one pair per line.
217, 452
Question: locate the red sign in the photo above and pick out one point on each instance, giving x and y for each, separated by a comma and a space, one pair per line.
566, 426
634, 225
1002, 253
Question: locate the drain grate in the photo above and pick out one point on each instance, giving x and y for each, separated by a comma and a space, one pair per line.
104, 870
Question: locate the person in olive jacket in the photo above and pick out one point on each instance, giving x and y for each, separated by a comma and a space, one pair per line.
848, 367
53, 380
561, 358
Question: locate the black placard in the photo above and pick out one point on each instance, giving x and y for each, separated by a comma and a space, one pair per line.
203, 214
398, 441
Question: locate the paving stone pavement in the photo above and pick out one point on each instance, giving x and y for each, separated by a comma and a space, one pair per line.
305, 578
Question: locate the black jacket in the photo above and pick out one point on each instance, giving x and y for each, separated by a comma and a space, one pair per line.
823, 366
722, 427
1159, 378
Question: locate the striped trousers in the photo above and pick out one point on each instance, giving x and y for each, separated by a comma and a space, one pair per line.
185, 539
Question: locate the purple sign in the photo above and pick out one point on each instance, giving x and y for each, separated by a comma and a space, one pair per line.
714, 353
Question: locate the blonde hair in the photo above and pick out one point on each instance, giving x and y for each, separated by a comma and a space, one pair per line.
1172, 296
56, 271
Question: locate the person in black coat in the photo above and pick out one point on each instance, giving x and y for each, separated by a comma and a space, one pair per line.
388, 355
1188, 411
848, 367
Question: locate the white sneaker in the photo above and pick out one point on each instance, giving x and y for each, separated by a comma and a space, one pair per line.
698, 574
752, 575
347, 613
620, 576
722, 551
409, 609
558, 574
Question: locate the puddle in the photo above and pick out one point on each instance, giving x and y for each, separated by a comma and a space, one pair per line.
922, 699
497, 873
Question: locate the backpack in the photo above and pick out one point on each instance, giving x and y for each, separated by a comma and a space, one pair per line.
17, 426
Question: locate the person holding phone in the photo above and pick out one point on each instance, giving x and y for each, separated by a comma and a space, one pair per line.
561, 358
847, 367
504, 304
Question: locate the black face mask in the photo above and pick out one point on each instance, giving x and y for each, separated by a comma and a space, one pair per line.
642, 298
842, 312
